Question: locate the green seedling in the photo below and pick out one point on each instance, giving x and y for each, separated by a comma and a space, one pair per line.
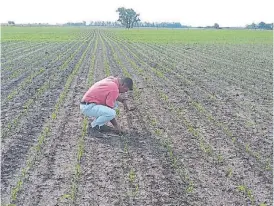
229, 172
247, 148
251, 197
126, 148
136, 190
209, 151
158, 132
174, 162
9, 126
66, 196
37, 148
159, 74
117, 112
78, 169
153, 122
227, 131
242, 188
220, 158
190, 187
268, 166
163, 96
233, 140
198, 106
53, 116
257, 155
132, 175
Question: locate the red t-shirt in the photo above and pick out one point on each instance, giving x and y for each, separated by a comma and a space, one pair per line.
104, 92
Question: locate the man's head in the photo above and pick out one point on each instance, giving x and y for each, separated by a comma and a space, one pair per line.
125, 84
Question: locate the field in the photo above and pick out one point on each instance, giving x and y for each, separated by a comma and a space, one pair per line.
201, 132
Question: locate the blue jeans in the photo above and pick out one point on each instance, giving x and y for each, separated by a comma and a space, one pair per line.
103, 114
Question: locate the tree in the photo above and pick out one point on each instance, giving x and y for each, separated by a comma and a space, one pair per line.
253, 25
11, 22
127, 17
216, 26
261, 25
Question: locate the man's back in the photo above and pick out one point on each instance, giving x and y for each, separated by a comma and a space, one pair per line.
104, 92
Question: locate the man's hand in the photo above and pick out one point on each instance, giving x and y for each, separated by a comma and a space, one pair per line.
119, 131
123, 101
125, 105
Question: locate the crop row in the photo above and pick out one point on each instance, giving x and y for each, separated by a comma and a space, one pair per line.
188, 65
195, 103
233, 67
182, 172
244, 78
12, 124
47, 129
189, 68
196, 63
27, 64
28, 58
31, 79
128, 165
40, 57
10, 45
166, 69
246, 56
191, 129
71, 194
13, 61
26, 48
232, 135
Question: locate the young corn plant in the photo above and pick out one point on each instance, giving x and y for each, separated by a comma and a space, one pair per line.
158, 132
27, 105
153, 122
41, 138
229, 173
30, 162
132, 179
80, 146
247, 192
106, 64
211, 118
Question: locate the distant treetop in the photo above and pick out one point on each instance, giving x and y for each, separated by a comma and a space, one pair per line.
127, 17
261, 25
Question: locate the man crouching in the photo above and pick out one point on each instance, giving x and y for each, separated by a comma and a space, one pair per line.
100, 101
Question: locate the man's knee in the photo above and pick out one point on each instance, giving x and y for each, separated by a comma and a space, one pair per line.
111, 113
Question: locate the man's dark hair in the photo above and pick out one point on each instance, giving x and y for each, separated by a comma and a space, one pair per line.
128, 82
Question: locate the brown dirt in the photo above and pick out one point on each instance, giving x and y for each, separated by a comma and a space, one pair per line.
172, 152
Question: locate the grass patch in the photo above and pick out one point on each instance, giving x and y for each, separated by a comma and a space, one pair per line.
201, 36
40, 34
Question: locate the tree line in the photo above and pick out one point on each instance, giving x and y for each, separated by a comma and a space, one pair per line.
128, 18
261, 25
137, 24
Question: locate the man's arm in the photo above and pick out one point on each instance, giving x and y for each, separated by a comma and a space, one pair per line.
112, 96
116, 126
122, 100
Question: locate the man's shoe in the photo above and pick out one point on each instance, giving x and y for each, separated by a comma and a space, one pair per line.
106, 128
95, 132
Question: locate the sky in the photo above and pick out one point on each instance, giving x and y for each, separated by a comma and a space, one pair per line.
187, 12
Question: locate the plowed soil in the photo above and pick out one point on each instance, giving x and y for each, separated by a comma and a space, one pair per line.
199, 131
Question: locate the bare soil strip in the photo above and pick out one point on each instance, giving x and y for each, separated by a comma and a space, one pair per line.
54, 169
15, 150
